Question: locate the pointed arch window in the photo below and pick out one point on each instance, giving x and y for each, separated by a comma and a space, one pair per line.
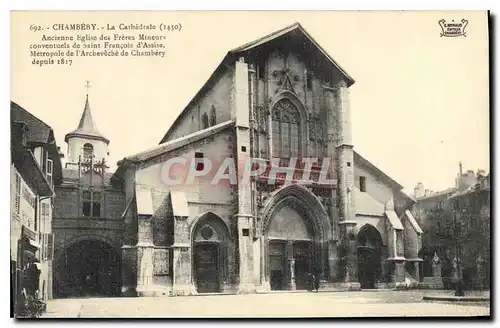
213, 118
286, 129
204, 121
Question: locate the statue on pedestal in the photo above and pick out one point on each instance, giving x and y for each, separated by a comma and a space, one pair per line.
456, 274
480, 272
436, 266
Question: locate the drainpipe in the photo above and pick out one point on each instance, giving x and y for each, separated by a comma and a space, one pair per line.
251, 102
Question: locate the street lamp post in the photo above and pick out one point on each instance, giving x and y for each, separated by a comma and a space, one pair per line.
458, 284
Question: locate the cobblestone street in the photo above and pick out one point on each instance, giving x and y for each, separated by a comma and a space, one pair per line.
339, 304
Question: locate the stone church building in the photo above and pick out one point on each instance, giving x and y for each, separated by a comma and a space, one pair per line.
86, 221
170, 231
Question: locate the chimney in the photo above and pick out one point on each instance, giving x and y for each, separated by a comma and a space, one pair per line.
419, 191
460, 168
59, 152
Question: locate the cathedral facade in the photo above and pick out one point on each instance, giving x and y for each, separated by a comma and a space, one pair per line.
273, 101
280, 103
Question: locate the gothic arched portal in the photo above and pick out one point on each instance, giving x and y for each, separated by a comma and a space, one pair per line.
369, 256
295, 228
210, 238
88, 267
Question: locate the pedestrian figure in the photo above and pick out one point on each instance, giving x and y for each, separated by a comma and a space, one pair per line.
316, 282
310, 281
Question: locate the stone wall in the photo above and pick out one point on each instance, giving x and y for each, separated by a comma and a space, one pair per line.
379, 190
202, 195
217, 96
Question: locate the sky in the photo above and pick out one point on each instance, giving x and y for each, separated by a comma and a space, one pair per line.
420, 104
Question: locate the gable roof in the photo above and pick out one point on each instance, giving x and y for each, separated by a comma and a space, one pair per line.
295, 27
233, 54
40, 134
86, 126
366, 163
38, 131
172, 145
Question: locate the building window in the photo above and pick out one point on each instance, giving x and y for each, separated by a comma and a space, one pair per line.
88, 151
91, 204
50, 247
362, 184
45, 210
473, 223
199, 162
96, 204
309, 81
261, 70
50, 169
28, 197
86, 204
204, 121
213, 118
286, 130
17, 194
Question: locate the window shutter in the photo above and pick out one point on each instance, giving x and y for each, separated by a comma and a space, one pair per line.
44, 246
17, 194
50, 246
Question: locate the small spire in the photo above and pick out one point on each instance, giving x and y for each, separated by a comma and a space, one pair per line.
87, 126
87, 85
86, 121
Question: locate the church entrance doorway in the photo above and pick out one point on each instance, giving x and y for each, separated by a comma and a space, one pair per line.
210, 254
206, 261
88, 268
290, 250
303, 255
369, 257
277, 265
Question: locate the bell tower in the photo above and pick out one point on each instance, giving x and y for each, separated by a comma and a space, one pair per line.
86, 143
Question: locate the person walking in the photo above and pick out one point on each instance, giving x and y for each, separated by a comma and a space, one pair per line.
316, 282
310, 281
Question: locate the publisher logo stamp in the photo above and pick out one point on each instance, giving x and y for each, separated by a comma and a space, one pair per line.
453, 29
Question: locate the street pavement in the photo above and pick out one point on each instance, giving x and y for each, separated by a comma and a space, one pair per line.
372, 303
